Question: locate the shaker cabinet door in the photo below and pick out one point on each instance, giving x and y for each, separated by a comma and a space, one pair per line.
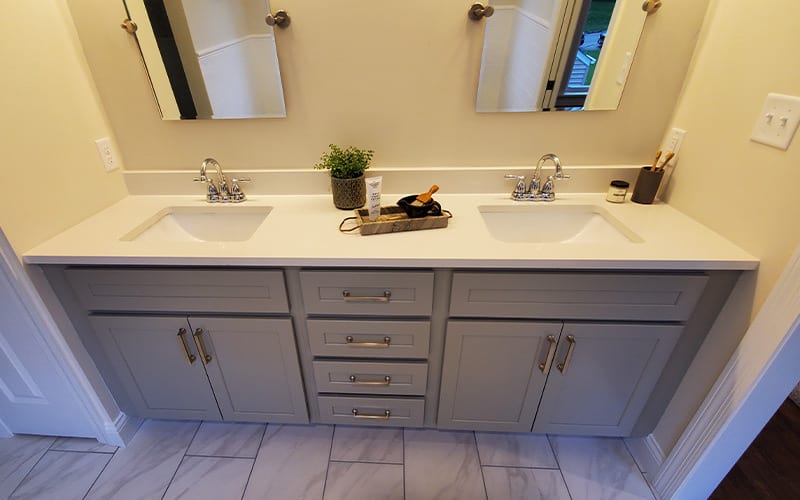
157, 363
493, 374
601, 387
253, 367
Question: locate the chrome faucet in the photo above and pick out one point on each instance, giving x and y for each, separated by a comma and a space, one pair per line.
536, 191
221, 193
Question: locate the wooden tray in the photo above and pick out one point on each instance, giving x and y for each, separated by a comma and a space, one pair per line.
393, 219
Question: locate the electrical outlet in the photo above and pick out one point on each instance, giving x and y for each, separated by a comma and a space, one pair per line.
778, 121
106, 153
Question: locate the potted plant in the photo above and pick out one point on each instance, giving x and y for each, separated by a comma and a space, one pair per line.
347, 168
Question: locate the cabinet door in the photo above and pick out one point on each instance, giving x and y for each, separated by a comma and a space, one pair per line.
491, 378
252, 365
159, 369
601, 388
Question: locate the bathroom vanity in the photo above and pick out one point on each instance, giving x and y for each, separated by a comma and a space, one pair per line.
451, 328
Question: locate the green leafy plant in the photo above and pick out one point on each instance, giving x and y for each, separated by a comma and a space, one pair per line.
345, 163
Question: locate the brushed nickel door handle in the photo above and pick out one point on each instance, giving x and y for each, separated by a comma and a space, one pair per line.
563, 367
199, 343
387, 341
348, 297
387, 380
379, 416
551, 353
189, 356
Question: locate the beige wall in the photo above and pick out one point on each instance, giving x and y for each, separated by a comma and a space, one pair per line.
52, 175
746, 191
399, 78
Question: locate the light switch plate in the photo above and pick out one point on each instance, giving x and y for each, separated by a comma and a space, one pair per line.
777, 123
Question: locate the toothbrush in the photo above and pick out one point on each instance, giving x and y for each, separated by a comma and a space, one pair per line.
655, 162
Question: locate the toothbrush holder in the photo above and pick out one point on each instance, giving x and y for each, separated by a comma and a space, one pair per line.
644, 192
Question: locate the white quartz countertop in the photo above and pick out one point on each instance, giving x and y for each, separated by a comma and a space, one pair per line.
303, 231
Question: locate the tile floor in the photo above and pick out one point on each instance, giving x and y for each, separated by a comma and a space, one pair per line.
220, 461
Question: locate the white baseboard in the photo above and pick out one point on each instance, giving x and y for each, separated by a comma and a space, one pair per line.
122, 430
646, 453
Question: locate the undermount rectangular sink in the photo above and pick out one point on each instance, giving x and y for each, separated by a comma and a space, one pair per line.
548, 223
199, 224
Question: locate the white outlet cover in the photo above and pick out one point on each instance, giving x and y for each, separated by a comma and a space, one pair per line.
778, 121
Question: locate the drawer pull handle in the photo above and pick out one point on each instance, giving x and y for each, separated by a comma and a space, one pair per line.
386, 381
199, 343
562, 367
551, 352
380, 416
387, 294
189, 356
387, 341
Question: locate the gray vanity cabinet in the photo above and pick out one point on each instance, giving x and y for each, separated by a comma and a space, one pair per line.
491, 376
166, 364
195, 343
159, 369
601, 387
253, 368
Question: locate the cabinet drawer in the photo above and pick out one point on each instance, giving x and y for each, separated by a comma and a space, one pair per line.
395, 412
180, 290
596, 296
360, 377
368, 339
371, 293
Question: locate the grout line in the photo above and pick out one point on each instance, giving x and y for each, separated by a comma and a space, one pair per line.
258, 451
328, 466
519, 467
480, 463
403, 445
46, 450
195, 455
555, 456
99, 474
182, 459
364, 462
87, 451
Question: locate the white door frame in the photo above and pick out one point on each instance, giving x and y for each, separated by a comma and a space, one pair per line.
109, 430
756, 380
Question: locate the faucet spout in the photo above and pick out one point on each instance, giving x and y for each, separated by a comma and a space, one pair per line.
556, 161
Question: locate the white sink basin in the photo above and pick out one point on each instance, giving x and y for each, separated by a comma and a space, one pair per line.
206, 223
548, 223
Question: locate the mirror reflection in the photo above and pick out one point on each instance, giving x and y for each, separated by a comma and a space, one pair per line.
547, 55
209, 58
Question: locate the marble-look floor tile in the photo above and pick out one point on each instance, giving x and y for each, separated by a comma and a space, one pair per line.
291, 463
210, 478
145, 467
18, 455
599, 468
62, 475
367, 444
359, 481
222, 439
82, 444
515, 450
442, 465
509, 483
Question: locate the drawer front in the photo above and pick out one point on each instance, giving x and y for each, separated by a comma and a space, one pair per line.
360, 377
180, 290
369, 339
607, 296
394, 412
371, 293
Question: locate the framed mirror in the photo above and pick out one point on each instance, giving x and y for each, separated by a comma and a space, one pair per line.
548, 55
209, 59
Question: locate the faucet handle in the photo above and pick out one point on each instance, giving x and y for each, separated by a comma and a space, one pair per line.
237, 195
519, 189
